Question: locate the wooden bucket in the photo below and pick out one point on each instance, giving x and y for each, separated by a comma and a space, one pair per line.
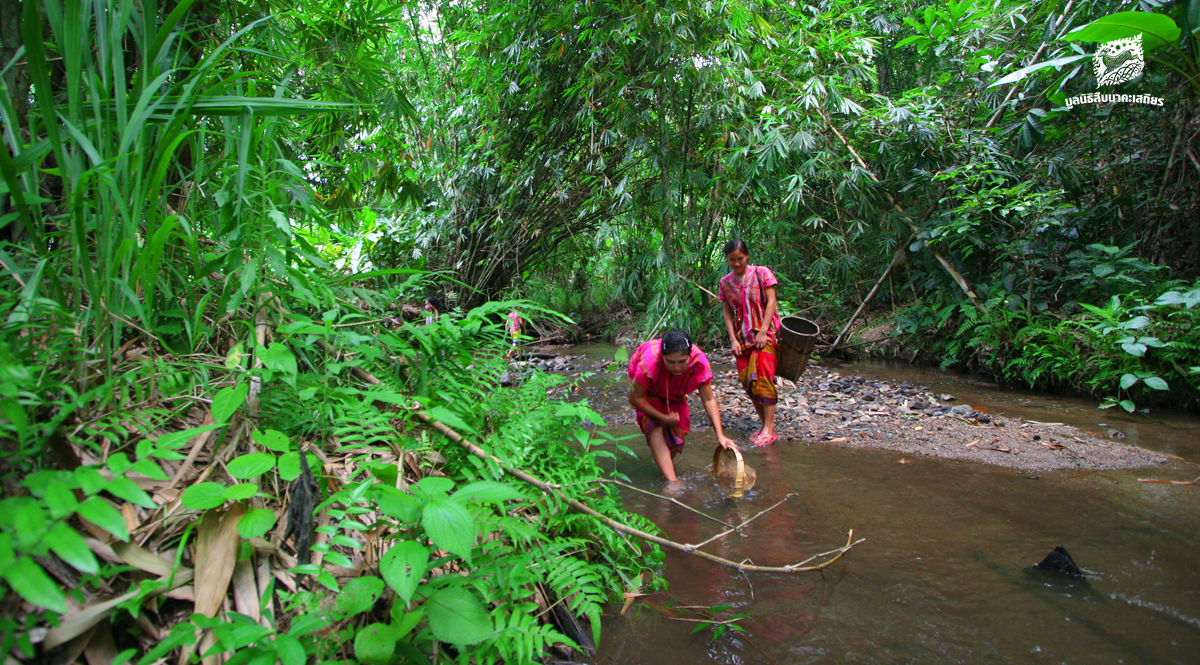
738, 476
797, 338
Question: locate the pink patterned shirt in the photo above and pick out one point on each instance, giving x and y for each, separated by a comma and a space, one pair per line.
748, 299
514, 324
647, 369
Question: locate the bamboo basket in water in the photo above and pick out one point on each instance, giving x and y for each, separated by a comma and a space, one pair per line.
732, 472
797, 338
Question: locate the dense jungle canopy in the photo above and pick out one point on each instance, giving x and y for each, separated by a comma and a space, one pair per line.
217, 215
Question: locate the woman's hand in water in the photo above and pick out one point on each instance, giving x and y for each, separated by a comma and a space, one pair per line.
727, 443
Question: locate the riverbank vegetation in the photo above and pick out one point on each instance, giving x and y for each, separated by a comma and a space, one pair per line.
217, 216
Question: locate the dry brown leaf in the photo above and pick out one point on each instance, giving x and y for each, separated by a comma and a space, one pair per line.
92, 614
102, 650
216, 553
140, 558
187, 593
971, 443
245, 590
198, 443
129, 512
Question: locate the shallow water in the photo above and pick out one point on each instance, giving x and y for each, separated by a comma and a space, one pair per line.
943, 575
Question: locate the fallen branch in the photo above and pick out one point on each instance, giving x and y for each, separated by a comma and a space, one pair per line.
739, 527
668, 498
621, 528
475, 450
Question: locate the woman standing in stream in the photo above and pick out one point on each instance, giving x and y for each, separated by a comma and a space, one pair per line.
663, 372
747, 296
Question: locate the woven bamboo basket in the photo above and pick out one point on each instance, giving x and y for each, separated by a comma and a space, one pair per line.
797, 338
732, 472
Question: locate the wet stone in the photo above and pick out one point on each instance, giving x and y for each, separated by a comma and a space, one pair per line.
962, 410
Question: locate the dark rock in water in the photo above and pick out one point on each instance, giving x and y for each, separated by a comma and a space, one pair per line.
962, 410
1060, 562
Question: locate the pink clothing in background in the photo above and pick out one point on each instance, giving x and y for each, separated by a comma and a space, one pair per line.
748, 299
514, 323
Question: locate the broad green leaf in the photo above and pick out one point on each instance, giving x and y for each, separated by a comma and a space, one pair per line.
279, 358
234, 359
359, 595
621, 356
34, 585
227, 401
488, 490
396, 504
450, 526
98, 512
375, 644
177, 439
256, 523
272, 440
1157, 383
403, 566
449, 418
126, 489
204, 496
1128, 380
290, 651
435, 485
60, 500
1136, 350
149, 469
241, 492
289, 465
403, 621
69, 545
1127, 404
1026, 71
250, 466
1156, 29
456, 616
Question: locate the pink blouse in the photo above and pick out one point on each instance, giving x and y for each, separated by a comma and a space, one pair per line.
647, 368
748, 299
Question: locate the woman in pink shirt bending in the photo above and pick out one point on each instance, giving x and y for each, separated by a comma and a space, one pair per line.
663, 372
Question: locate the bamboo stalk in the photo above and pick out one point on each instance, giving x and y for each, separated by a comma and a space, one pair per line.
897, 259
954, 274
1013, 90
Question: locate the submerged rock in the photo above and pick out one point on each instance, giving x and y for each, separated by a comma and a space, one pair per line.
1060, 562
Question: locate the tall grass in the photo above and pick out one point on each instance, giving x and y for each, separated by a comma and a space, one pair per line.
146, 165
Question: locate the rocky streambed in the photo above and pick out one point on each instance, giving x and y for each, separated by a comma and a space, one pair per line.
826, 407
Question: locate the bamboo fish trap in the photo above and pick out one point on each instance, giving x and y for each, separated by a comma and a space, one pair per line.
732, 472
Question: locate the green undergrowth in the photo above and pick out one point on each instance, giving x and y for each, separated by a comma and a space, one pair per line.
1136, 350
424, 551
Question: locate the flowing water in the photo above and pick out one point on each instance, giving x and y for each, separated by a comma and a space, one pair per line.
943, 575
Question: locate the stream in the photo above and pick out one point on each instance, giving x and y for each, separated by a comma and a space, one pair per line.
944, 574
